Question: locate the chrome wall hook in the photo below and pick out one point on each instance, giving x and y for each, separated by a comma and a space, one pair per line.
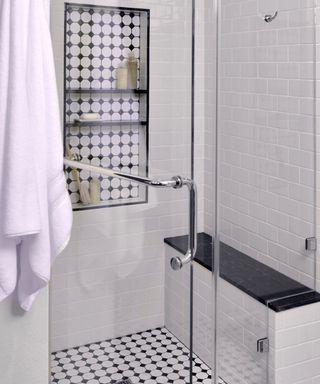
270, 18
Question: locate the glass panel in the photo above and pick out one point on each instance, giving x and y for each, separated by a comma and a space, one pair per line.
242, 328
118, 310
266, 176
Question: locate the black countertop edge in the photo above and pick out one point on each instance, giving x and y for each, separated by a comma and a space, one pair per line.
263, 283
286, 303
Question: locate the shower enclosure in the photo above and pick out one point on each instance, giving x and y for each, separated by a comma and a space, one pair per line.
125, 75
222, 94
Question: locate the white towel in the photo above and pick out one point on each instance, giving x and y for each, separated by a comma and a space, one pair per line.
35, 208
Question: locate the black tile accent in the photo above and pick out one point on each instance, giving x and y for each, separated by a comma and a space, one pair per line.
295, 301
259, 281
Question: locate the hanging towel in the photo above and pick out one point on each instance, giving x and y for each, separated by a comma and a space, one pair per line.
35, 209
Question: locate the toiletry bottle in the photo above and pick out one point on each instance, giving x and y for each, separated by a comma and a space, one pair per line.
132, 65
122, 76
95, 190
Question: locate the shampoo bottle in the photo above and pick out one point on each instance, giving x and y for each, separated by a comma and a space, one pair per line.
95, 191
122, 77
132, 65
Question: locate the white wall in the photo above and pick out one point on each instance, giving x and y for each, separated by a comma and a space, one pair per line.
24, 342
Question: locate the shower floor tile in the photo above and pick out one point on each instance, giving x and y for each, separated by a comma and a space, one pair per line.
151, 357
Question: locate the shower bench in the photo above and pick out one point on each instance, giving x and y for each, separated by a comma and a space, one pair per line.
260, 310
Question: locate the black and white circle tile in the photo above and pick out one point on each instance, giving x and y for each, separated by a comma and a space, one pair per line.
151, 357
116, 148
98, 40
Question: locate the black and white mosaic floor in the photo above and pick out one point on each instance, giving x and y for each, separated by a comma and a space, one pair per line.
151, 357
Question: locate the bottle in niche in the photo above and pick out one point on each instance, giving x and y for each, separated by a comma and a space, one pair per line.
95, 191
132, 65
122, 76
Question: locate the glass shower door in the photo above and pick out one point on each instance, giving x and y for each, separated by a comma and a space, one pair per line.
124, 74
265, 180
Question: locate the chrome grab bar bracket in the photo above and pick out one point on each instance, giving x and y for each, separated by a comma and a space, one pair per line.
177, 262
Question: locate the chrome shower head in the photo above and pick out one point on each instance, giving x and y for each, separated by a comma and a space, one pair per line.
270, 18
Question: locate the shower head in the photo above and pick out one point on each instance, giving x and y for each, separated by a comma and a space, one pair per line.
270, 18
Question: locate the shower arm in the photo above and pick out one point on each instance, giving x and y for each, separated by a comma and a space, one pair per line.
175, 182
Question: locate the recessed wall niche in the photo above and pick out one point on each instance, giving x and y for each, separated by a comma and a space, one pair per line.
106, 90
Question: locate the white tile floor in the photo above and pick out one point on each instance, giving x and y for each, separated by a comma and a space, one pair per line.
151, 357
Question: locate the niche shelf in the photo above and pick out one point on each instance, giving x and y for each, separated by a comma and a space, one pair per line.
108, 91
96, 123
97, 40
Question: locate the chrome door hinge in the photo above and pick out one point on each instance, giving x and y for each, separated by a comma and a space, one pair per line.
311, 244
263, 345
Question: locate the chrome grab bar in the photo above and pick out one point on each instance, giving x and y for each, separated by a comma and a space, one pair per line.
175, 182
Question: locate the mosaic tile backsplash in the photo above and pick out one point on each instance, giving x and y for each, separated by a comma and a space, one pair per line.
98, 41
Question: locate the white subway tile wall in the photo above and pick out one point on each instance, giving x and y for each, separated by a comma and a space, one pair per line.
317, 73
210, 114
295, 346
267, 133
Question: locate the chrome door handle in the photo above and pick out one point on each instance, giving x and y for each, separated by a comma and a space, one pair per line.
177, 262
175, 182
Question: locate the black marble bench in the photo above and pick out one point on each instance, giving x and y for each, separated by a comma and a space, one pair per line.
261, 282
